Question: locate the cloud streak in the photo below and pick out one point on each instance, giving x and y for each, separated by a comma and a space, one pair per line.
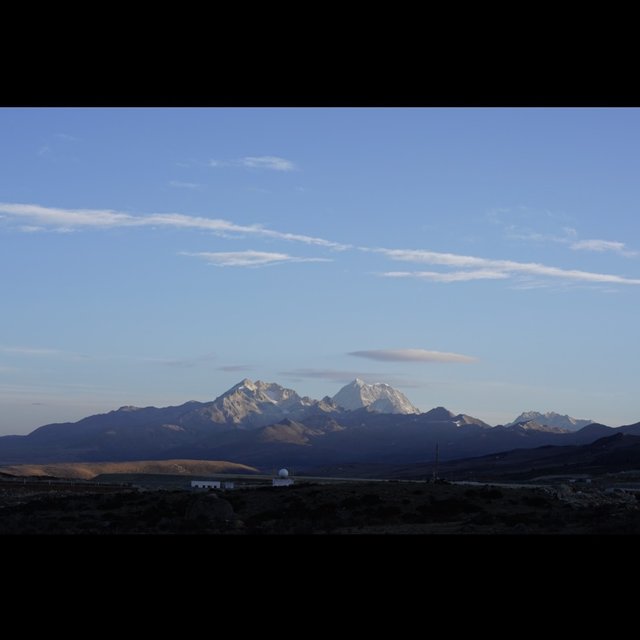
602, 246
273, 163
487, 268
230, 368
248, 258
106, 219
184, 363
568, 237
32, 351
184, 185
454, 276
270, 163
461, 268
68, 355
412, 355
344, 377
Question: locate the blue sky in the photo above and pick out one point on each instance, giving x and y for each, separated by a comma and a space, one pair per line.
487, 260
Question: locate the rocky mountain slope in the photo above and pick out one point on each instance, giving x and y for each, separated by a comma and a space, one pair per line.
251, 404
551, 419
264, 424
377, 397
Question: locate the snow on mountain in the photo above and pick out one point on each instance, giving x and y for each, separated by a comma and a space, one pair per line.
532, 425
551, 419
255, 404
378, 397
263, 424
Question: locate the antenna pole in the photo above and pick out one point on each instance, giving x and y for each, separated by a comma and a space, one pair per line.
435, 470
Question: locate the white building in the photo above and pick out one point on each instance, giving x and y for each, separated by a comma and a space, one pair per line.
283, 479
205, 484
282, 482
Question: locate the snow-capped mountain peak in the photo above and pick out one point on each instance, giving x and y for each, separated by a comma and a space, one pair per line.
377, 397
254, 404
258, 391
551, 419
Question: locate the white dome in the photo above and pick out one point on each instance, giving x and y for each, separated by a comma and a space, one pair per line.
283, 473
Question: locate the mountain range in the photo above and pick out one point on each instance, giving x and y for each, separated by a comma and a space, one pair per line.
264, 425
551, 419
611, 454
617, 454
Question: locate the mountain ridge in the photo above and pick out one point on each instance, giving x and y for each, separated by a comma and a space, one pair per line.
551, 419
264, 424
379, 397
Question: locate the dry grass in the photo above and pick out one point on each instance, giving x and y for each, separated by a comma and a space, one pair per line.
89, 470
40, 507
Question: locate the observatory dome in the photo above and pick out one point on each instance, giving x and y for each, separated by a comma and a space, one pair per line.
283, 473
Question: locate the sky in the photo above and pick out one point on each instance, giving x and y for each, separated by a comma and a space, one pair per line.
482, 259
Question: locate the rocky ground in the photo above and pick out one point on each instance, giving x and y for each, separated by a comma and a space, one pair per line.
348, 508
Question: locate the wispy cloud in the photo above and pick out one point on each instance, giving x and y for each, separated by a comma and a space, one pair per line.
333, 375
569, 239
516, 233
603, 245
508, 216
453, 276
181, 362
231, 368
344, 377
461, 268
566, 235
50, 150
412, 355
274, 163
187, 362
184, 185
107, 219
248, 258
29, 228
67, 217
271, 163
491, 267
32, 351
75, 356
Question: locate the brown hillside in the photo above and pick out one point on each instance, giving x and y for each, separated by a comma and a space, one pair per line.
89, 470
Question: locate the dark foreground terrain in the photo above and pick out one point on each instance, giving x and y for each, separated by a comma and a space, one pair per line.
346, 508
